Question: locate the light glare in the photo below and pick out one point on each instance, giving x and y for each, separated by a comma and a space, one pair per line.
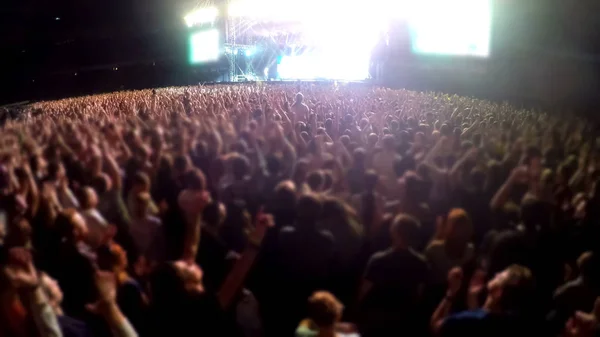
204, 46
200, 16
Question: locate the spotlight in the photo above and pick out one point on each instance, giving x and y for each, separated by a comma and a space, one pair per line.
249, 52
200, 16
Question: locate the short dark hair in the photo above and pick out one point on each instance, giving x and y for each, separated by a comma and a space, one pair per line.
240, 166
315, 180
406, 227
195, 180
516, 292
309, 208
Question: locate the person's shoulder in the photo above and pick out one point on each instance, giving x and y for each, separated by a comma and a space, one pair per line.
380, 256
154, 220
434, 247
287, 230
418, 257
568, 288
468, 315
327, 235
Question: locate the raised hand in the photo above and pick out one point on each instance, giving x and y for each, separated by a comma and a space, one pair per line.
20, 271
455, 279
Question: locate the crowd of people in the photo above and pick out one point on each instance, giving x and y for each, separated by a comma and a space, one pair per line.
297, 209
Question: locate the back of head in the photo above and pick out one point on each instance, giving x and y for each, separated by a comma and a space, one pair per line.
309, 209
141, 179
88, 198
532, 212
459, 228
371, 179
273, 164
388, 142
101, 183
404, 230
240, 166
359, 156
285, 195
194, 179
166, 288
181, 164
315, 181
213, 214
324, 310
517, 289
589, 267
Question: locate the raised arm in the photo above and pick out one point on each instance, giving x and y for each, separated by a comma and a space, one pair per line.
456, 168
25, 279
237, 276
107, 307
112, 168
455, 278
503, 194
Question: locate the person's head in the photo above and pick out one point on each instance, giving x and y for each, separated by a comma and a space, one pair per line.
214, 214
315, 181
459, 228
299, 97
172, 283
89, 198
112, 257
477, 178
95, 164
334, 212
71, 226
285, 195
101, 184
181, 164
194, 179
360, 156
510, 290
308, 209
300, 171
324, 309
372, 140
56, 170
140, 183
532, 158
371, 179
404, 230
388, 143
141, 204
532, 212
273, 164
240, 167
589, 267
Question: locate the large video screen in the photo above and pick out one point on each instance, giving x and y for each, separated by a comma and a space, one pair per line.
204, 46
458, 27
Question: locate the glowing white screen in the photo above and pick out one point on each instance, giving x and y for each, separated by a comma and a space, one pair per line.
204, 46
458, 27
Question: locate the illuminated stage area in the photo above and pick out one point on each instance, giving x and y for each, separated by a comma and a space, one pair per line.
331, 39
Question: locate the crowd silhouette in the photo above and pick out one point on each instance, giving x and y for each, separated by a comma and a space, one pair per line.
300, 209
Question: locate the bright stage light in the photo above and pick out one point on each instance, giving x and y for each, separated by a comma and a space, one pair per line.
200, 16
459, 27
204, 46
249, 52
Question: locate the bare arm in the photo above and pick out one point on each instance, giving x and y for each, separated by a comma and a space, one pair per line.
237, 276
502, 195
442, 311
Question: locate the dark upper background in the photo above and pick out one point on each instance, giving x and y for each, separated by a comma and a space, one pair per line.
57, 48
